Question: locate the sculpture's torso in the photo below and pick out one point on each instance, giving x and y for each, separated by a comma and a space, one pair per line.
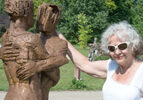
50, 77
27, 89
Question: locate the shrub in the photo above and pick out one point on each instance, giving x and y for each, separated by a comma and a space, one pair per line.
78, 84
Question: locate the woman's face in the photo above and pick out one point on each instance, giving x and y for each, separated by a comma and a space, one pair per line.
122, 57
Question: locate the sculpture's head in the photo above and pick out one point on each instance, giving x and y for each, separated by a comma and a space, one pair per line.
20, 9
47, 17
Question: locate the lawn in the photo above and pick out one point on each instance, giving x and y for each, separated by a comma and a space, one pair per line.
66, 77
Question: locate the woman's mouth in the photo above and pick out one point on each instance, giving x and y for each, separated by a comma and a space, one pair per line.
119, 57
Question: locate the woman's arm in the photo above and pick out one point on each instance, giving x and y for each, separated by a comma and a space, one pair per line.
96, 68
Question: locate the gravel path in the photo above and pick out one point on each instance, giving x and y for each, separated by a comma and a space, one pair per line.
69, 95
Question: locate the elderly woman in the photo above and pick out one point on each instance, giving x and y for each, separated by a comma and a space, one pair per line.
123, 72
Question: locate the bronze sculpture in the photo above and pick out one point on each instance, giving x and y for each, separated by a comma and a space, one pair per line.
24, 73
47, 18
8, 53
30, 49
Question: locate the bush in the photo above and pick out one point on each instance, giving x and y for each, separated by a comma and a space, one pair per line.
78, 84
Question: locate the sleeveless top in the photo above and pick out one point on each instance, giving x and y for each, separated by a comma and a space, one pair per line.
113, 90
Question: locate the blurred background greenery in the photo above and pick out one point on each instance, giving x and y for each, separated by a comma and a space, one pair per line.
98, 14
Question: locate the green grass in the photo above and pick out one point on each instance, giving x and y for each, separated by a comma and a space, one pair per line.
3, 80
66, 77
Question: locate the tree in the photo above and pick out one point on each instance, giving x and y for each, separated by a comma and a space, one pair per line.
96, 14
129, 10
84, 30
137, 19
99, 14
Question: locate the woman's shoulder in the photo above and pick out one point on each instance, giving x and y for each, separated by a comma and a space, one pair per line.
111, 67
112, 64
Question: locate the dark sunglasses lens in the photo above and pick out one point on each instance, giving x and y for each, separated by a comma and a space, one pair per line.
111, 48
122, 46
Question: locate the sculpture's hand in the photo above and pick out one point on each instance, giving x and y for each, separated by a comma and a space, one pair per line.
27, 70
63, 51
9, 52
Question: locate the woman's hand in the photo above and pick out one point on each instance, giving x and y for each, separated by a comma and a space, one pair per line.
60, 35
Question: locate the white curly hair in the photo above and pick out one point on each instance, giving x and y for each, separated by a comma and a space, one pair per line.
123, 30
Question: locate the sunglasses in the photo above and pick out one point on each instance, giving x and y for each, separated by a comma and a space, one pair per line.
120, 46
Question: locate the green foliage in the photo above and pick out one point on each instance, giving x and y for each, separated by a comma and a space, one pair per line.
1, 6
33, 29
78, 84
84, 30
96, 14
37, 3
110, 5
129, 10
2, 31
99, 14
3, 80
137, 20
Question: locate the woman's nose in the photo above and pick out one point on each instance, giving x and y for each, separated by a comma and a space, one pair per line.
117, 51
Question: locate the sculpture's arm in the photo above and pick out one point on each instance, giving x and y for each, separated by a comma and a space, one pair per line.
33, 67
50, 61
36, 46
